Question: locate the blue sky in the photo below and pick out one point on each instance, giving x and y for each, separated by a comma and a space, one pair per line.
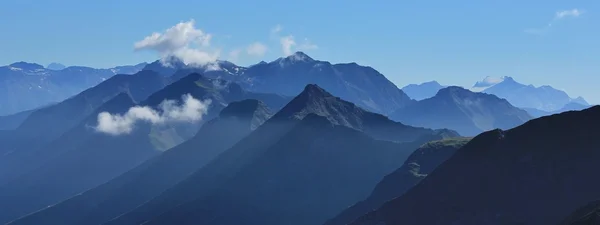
453, 42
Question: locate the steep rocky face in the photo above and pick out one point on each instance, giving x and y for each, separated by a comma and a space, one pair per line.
418, 165
537, 173
467, 112
154, 176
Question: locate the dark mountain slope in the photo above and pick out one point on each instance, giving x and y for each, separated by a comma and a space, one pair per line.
418, 165
310, 174
459, 109
11, 122
85, 161
154, 176
313, 100
587, 215
535, 174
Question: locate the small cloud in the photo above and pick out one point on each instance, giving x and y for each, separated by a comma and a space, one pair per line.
558, 16
287, 43
191, 110
568, 13
256, 49
183, 41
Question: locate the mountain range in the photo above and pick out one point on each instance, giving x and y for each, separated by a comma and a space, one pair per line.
29, 172
25, 86
362, 85
294, 141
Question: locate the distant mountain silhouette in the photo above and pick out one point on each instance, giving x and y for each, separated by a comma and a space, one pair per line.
152, 177
422, 91
544, 98
459, 109
418, 165
25, 86
314, 126
56, 66
537, 173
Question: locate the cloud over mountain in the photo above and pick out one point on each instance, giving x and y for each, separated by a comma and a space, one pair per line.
183, 41
191, 110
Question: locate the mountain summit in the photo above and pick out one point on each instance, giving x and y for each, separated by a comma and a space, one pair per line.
469, 113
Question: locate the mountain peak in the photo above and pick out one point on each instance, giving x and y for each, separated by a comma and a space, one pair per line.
452, 90
56, 66
27, 66
297, 57
300, 56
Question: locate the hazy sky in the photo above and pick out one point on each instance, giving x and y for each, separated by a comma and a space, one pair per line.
454, 42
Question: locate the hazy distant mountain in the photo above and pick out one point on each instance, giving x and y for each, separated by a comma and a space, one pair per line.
456, 108
250, 182
486, 83
361, 85
25, 86
544, 98
580, 100
422, 91
55, 66
152, 177
418, 165
572, 106
537, 174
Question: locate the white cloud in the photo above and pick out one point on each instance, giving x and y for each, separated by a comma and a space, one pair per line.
568, 13
287, 43
192, 110
558, 16
183, 41
256, 49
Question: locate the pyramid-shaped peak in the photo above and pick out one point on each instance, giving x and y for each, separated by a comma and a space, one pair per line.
315, 91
